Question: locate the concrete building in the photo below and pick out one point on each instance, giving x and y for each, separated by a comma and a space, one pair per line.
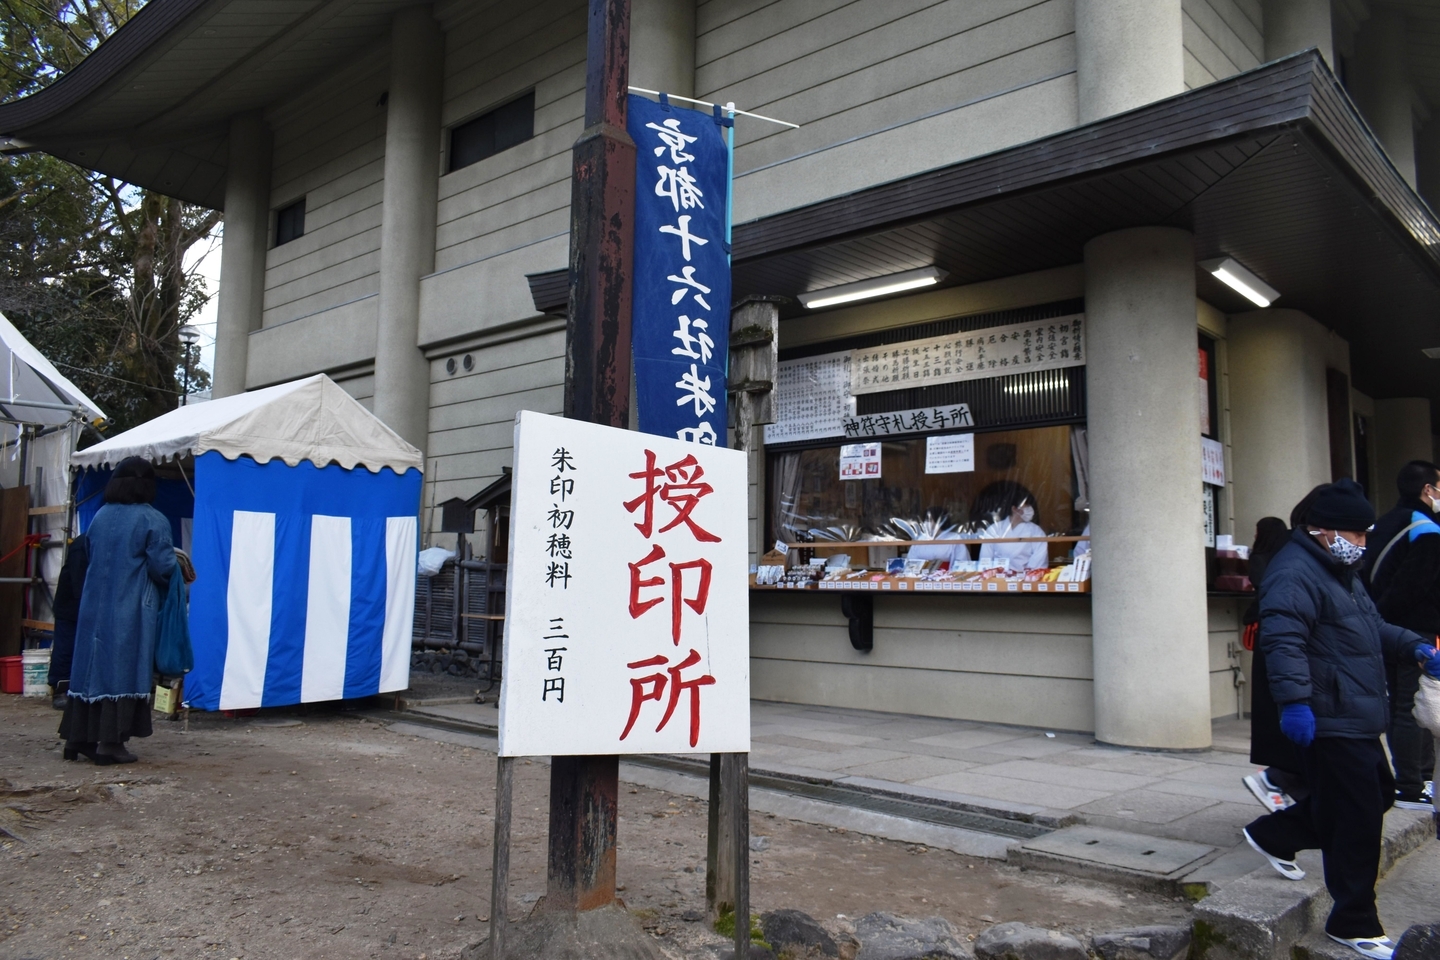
395, 181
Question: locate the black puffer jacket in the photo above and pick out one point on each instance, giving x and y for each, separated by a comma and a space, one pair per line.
1324, 642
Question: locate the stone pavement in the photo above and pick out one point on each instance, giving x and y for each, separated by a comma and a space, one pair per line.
1050, 777
1053, 775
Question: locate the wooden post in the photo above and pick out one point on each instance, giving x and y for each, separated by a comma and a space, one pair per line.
735, 779
713, 890
500, 865
754, 332
581, 863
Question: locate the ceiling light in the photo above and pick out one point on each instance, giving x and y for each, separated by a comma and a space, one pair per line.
1235, 276
878, 287
1432, 352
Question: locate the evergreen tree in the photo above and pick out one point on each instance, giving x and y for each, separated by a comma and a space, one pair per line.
92, 270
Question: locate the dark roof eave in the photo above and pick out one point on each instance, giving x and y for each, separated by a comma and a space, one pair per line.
1298, 93
123, 48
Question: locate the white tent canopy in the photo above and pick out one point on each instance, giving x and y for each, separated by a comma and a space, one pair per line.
311, 419
31, 389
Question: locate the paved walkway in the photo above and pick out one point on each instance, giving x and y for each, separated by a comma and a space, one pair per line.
1054, 777
1184, 796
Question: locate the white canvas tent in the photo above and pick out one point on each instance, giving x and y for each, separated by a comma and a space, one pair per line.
34, 390
312, 419
39, 400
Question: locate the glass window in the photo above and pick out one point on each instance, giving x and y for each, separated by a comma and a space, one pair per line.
1034, 468
488, 134
290, 222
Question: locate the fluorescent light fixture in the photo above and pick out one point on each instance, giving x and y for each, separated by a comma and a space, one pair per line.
1231, 273
878, 287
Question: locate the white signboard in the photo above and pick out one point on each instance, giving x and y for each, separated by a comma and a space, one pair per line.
1212, 461
974, 355
812, 397
627, 628
954, 453
947, 417
860, 461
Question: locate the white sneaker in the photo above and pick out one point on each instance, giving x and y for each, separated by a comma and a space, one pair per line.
1422, 802
1376, 948
1288, 869
1270, 798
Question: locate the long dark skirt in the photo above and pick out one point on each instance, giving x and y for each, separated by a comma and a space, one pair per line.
86, 723
1268, 746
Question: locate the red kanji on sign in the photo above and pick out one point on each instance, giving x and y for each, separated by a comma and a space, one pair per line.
677, 588
683, 492
657, 682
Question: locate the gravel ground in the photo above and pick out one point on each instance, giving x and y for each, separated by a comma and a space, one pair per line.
328, 835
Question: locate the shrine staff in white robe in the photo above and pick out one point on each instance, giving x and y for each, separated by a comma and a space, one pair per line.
1018, 556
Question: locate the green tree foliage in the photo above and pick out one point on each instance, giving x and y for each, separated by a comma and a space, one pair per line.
92, 270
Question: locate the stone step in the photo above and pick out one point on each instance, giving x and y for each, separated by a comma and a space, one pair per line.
1263, 916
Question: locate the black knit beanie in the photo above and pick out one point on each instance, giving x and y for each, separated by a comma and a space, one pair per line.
1341, 506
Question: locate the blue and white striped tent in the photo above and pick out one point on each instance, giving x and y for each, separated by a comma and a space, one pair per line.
304, 539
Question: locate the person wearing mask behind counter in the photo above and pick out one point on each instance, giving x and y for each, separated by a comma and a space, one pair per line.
1013, 507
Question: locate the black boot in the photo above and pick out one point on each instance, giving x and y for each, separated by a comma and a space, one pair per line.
113, 753
58, 701
87, 750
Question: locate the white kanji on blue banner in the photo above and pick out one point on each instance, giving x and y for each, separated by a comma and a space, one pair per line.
681, 313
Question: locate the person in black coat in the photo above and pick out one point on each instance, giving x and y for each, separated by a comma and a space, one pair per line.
70, 585
1325, 645
1404, 581
1281, 777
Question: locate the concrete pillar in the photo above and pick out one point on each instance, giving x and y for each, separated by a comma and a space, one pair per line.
1279, 429
407, 232
242, 252
662, 45
1402, 434
1295, 25
1128, 53
1151, 644
1381, 87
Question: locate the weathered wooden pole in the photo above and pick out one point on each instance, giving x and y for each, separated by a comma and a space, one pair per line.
500, 865
581, 865
754, 335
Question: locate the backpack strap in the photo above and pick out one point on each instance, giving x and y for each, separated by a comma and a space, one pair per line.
1390, 546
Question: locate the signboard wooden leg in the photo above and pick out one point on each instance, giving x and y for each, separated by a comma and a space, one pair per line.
500, 866
581, 870
736, 785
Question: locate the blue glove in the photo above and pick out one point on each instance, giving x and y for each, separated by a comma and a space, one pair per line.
1430, 661
1297, 722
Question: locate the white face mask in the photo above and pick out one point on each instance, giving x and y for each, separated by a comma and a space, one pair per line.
1027, 513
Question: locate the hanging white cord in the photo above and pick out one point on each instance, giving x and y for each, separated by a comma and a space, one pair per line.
707, 103
180, 465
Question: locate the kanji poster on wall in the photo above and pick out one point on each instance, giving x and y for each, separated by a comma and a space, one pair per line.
627, 623
812, 398
974, 355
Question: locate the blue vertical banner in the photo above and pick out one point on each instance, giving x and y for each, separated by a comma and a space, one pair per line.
681, 315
